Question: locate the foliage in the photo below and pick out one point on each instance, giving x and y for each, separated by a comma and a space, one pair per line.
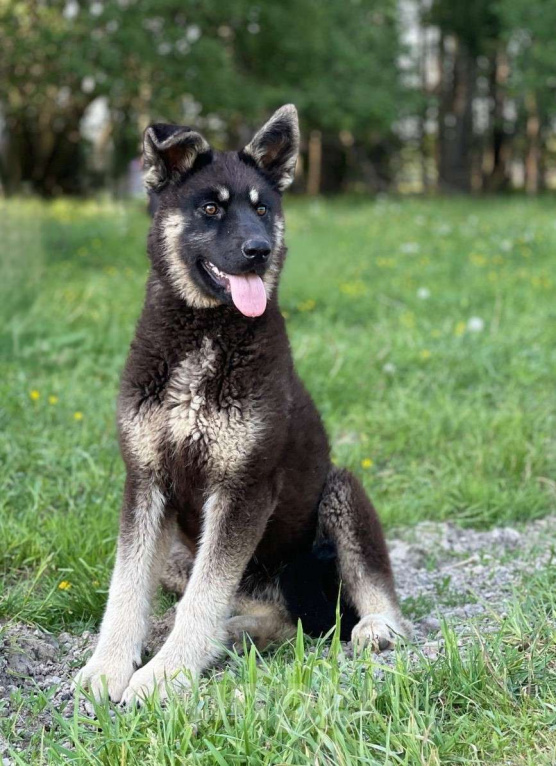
151, 59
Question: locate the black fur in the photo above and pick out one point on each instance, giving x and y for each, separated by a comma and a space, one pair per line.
216, 425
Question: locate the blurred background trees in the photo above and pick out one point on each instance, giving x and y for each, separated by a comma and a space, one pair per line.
406, 95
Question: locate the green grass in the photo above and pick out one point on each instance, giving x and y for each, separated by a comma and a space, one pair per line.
439, 421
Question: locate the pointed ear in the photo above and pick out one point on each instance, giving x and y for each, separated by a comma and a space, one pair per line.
168, 152
275, 146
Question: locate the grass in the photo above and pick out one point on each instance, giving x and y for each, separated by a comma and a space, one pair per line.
426, 332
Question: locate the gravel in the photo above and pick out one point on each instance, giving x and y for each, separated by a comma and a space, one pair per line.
443, 572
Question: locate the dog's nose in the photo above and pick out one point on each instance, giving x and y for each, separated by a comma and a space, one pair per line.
256, 249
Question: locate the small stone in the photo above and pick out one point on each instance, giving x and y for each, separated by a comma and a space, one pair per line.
430, 624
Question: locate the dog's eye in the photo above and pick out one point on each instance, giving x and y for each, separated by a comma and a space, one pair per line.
210, 208
261, 209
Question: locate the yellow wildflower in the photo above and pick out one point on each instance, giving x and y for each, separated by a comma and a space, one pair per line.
78, 416
353, 288
408, 319
477, 259
308, 305
366, 463
64, 585
425, 354
459, 329
34, 394
52, 399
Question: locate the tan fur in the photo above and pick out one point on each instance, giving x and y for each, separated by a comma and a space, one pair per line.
125, 623
173, 227
143, 431
200, 628
264, 622
226, 433
263, 155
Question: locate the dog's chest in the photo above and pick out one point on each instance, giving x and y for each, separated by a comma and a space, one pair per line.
204, 412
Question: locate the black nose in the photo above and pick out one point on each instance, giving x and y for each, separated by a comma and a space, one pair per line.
256, 249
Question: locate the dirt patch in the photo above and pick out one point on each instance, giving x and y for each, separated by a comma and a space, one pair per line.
442, 572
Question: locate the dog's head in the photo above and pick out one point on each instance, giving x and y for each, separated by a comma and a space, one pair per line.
218, 230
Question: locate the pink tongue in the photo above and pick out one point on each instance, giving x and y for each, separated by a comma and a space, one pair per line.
248, 294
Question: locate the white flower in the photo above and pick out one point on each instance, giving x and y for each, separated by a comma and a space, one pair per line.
475, 324
389, 368
423, 293
410, 248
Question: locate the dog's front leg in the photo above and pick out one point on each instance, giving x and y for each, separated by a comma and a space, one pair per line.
233, 524
142, 543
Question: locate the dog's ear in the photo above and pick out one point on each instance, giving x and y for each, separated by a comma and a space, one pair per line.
168, 152
275, 146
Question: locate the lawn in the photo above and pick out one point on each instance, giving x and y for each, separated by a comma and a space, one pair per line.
426, 332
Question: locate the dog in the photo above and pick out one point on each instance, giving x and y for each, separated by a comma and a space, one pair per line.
226, 454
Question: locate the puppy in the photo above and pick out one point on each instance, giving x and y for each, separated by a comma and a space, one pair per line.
225, 451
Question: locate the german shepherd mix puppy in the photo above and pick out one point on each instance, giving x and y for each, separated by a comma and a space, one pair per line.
224, 448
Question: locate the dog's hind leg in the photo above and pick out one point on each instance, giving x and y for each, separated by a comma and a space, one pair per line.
348, 519
145, 534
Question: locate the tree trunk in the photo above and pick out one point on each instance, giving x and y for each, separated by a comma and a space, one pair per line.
44, 159
533, 145
497, 178
334, 166
314, 163
456, 116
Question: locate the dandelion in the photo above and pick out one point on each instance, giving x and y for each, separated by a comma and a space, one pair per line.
476, 324
459, 329
366, 463
423, 293
307, 305
425, 354
64, 585
477, 259
52, 399
78, 416
353, 288
35, 395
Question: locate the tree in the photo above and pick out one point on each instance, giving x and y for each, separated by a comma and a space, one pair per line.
336, 60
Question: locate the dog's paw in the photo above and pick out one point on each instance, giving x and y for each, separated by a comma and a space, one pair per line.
241, 628
379, 632
164, 672
105, 676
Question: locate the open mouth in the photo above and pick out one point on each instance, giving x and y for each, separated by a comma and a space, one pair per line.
247, 290
220, 277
